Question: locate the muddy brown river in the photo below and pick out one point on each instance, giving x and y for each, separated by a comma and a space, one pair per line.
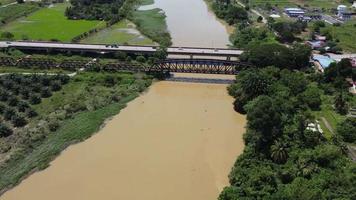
177, 141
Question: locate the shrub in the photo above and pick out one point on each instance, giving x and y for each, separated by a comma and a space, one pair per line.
5, 131
46, 92
8, 113
56, 85
22, 106
18, 120
13, 101
35, 99
31, 113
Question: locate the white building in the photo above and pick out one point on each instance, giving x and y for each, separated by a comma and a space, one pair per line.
354, 5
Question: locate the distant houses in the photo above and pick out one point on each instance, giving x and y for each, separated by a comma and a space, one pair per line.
315, 44
343, 13
294, 12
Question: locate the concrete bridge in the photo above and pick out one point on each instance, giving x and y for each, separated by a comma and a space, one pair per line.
102, 49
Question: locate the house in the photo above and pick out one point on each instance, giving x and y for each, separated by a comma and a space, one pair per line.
294, 12
315, 44
354, 5
320, 38
343, 13
323, 61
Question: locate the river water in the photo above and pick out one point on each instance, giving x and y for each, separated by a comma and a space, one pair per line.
177, 141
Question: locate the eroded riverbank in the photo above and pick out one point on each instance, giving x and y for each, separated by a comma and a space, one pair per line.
177, 141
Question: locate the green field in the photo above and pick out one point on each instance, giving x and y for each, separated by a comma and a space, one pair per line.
123, 32
346, 34
50, 23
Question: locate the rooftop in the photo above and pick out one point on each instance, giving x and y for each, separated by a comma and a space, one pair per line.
324, 61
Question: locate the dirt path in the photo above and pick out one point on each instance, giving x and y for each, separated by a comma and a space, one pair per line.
328, 126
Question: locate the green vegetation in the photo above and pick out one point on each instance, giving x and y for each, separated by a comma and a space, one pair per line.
123, 32
284, 158
246, 36
230, 12
265, 55
12, 12
68, 116
50, 23
344, 35
108, 10
152, 24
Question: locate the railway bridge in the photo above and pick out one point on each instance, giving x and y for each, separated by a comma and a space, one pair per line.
205, 66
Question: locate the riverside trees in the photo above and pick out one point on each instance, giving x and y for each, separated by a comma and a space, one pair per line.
282, 158
108, 10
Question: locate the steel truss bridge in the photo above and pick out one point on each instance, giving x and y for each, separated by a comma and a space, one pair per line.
205, 66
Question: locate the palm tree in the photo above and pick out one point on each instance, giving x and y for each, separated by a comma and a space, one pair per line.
279, 152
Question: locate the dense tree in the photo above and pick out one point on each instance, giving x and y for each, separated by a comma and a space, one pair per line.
108, 10
341, 105
347, 129
271, 55
263, 117
279, 152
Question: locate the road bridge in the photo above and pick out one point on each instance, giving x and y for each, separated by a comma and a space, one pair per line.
102, 49
204, 66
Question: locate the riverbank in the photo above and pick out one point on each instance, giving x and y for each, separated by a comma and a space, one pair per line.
229, 28
80, 109
151, 23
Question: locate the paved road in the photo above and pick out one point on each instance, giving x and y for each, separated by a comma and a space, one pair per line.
338, 57
220, 52
330, 20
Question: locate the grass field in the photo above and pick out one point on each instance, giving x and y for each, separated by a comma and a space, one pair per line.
346, 34
328, 112
50, 23
14, 11
123, 32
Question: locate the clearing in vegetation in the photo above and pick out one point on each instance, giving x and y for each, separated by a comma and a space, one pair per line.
50, 23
